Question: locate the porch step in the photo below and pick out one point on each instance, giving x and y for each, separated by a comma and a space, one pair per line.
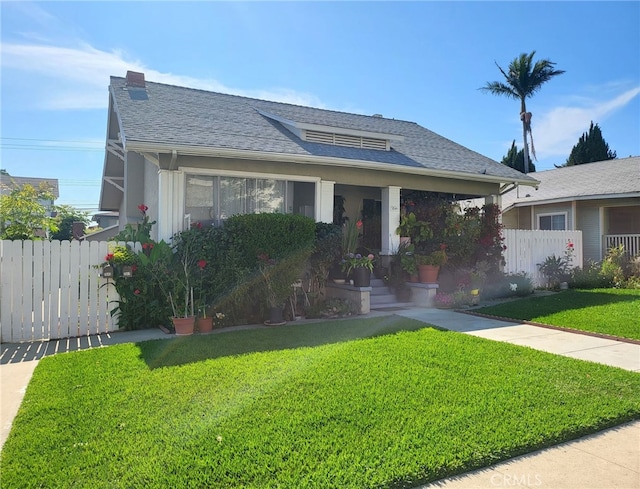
382, 298
391, 306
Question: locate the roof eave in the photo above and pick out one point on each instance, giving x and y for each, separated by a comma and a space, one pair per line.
560, 200
141, 146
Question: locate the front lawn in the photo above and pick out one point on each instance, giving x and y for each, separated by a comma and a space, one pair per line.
613, 312
381, 402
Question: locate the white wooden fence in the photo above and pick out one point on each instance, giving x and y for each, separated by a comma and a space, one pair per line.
52, 289
525, 249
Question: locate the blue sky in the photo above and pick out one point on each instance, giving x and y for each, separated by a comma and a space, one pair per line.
417, 61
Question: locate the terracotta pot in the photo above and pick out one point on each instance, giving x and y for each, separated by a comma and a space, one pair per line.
414, 278
184, 326
205, 325
361, 277
428, 274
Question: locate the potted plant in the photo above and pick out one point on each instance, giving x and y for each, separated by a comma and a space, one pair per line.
181, 298
408, 261
172, 269
275, 288
204, 322
429, 265
359, 267
418, 231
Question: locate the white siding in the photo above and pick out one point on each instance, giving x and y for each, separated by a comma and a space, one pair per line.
588, 222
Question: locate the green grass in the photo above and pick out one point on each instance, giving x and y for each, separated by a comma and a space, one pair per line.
376, 403
614, 312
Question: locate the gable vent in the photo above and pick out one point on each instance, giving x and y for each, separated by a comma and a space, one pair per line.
345, 140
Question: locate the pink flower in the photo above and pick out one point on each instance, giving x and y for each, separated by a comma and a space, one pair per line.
359, 223
370, 256
143, 208
136, 292
202, 264
570, 245
109, 257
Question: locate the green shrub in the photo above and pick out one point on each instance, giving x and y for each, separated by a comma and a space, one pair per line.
332, 308
510, 285
326, 252
276, 235
616, 266
589, 277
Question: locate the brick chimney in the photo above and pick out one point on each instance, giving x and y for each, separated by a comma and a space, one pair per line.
135, 79
77, 230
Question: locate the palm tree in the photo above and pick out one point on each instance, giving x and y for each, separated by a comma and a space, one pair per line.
522, 81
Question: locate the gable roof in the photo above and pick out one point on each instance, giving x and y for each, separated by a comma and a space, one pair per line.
599, 180
6, 182
206, 123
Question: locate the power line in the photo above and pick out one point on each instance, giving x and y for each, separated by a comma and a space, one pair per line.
53, 140
77, 149
16, 144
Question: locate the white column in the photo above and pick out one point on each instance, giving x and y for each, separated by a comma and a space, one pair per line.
324, 201
497, 200
171, 188
390, 220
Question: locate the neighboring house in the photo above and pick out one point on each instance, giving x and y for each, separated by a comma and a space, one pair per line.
197, 156
601, 199
8, 181
108, 224
106, 219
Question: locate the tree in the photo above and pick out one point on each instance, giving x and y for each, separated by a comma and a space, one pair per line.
515, 159
22, 215
66, 216
522, 81
590, 147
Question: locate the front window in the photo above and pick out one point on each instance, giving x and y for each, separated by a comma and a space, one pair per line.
552, 222
211, 200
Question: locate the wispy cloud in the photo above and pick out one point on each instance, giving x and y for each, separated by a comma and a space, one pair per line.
559, 129
77, 77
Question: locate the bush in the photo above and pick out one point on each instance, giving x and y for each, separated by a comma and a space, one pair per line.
589, 277
326, 253
332, 308
276, 235
516, 284
616, 266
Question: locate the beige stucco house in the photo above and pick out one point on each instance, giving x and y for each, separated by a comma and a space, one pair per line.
198, 156
600, 199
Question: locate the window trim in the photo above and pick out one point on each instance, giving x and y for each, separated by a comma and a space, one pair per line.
551, 214
212, 172
216, 173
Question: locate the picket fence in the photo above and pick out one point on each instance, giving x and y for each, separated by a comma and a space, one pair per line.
525, 249
53, 289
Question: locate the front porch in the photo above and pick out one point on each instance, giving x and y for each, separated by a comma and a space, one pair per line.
630, 242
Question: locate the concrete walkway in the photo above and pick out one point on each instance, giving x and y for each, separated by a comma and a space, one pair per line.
606, 460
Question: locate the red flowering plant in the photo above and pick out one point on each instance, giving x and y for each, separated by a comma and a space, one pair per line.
139, 232
140, 303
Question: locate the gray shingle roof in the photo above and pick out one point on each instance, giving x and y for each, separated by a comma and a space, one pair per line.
190, 117
604, 178
6, 182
